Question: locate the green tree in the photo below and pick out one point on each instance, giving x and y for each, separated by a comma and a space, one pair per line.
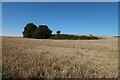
58, 32
29, 30
42, 32
91, 35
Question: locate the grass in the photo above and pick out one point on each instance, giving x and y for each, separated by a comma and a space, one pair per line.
46, 58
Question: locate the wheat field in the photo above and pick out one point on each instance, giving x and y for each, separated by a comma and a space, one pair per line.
45, 58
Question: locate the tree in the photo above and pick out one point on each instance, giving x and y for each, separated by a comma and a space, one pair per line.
42, 32
29, 30
91, 35
58, 32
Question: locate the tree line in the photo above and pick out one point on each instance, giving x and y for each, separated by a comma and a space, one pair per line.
41, 32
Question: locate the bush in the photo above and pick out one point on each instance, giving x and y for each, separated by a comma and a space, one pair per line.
72, 37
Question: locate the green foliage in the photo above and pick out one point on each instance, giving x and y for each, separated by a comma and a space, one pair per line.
42, 32
116, 36
91, 35
58, 32
32, 31
29, 30
72, 37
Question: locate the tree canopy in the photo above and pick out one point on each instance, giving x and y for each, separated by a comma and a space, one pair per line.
29, 30
42, 32
58, 32
32, 31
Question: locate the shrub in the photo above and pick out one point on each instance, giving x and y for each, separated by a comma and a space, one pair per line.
72, 37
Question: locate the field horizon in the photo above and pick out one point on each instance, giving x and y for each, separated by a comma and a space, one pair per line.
21, 36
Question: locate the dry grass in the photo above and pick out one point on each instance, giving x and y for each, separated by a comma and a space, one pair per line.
25, 58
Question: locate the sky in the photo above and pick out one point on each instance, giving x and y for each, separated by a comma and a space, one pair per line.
60, 0
97, 18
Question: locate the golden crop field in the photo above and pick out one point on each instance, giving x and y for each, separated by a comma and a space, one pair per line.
28, 58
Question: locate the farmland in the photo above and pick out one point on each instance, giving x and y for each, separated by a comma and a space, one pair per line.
28, 58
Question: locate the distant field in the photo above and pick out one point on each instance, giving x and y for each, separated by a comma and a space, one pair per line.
25, 58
